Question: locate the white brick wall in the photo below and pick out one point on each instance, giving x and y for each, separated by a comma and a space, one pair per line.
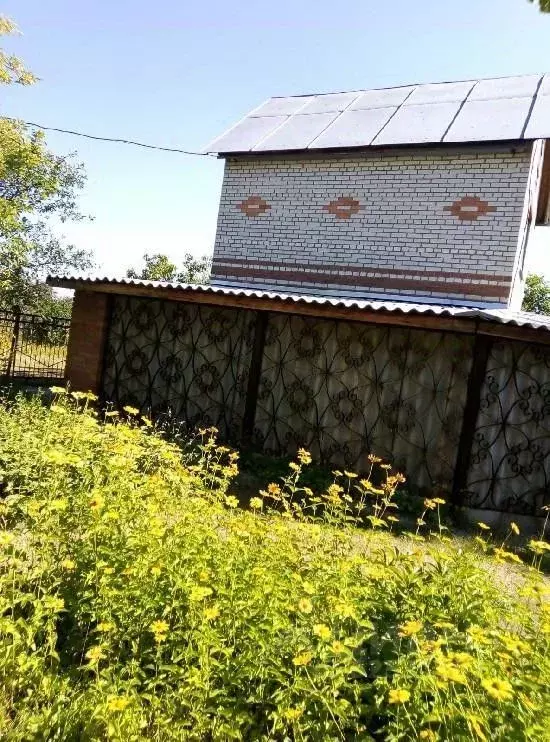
402, 241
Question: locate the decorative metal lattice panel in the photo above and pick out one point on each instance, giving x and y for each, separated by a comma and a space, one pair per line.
510, 457
345, 389
186, 360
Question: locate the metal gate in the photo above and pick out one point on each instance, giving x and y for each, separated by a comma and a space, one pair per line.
32, 348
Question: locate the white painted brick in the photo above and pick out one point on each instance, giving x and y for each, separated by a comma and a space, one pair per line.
402, 223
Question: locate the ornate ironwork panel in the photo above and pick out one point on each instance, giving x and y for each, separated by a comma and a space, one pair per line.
345, 389
187, 360
510, 458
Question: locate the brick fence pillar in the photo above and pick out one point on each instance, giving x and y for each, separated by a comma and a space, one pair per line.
89, 321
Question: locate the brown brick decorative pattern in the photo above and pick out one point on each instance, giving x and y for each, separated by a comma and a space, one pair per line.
343, 207
470, 208
489, 287
254, 206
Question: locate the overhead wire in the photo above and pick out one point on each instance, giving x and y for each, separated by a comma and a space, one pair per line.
111, 139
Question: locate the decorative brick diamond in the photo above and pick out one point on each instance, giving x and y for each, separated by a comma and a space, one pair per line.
254, 206
470, 208
343, 208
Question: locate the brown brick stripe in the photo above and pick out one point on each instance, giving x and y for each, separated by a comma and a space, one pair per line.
470, 289
336, 268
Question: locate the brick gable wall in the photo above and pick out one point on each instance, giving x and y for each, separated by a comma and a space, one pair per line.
441, 224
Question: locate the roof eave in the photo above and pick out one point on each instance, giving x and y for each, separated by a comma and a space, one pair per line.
307, 306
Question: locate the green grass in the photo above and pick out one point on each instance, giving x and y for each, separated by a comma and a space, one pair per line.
140, 602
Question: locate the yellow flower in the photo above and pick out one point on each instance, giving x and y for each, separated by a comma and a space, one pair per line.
302, 659
449, 672
308, 588
156, 570
294, 466
475, 724
97, 502
305, 605
292, 714
428, 734
500, 690
231, 501
211, 613
539, 546
439, 501
344, 610
256, 503
350, 474
94, 654
478, 635
118, 704
483, 526
304, 457
322, 631
461, 658
338, 647
503, 554
514, 645
410, 627
398, 695
159, 629
58, 390
430, 504
514, 528
68, 564
198, 592
131, 410
105, 626
273, 489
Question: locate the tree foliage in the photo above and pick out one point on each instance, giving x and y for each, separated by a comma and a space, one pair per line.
544, 5
537, 294
159, 267
36, 186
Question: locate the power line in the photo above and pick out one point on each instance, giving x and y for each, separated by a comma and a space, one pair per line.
111, 139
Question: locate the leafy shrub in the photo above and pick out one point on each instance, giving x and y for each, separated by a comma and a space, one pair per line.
138, 601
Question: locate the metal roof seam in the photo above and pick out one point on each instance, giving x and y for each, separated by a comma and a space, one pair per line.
534, 100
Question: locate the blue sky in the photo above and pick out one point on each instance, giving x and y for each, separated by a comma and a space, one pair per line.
178, 73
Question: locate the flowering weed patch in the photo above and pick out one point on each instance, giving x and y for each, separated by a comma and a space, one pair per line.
138, 601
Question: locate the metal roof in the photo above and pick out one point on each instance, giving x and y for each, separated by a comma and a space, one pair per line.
497, 109
498, 316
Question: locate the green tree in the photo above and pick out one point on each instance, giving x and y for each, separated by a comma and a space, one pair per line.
159, 267
544, 5
537, 294
36, 186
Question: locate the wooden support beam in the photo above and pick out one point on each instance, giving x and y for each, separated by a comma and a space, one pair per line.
254, 375
480, 357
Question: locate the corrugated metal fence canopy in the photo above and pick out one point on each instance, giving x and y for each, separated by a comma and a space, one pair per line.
524, 321
498, 109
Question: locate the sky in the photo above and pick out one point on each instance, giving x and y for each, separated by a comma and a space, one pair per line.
177, 74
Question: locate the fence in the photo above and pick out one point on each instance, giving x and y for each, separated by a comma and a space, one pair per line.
457, 413
32, 348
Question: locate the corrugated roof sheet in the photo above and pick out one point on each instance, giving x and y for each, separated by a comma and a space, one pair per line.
498, 316
497, 109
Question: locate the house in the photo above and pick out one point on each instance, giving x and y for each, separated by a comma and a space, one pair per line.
367, 277
424, 193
